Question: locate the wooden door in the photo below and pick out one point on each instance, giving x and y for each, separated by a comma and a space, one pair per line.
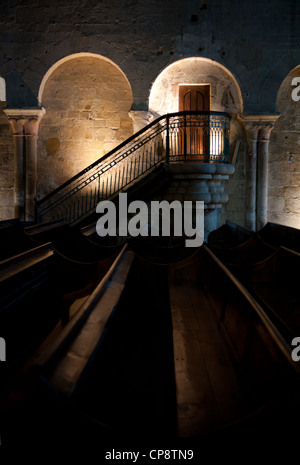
194, 98
195, 140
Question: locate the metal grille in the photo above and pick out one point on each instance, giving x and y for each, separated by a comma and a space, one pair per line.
173, 138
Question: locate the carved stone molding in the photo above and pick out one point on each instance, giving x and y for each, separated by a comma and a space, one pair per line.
25, 121
258, 129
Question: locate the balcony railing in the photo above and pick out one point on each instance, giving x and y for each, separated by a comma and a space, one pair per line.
198, 137
184, 137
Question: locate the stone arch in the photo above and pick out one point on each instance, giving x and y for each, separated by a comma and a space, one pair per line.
87, 99
284, 159
226, 97
226, 93
72, 57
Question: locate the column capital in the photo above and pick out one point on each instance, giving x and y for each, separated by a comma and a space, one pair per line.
251, 126
258, 127
265, 130
25, 120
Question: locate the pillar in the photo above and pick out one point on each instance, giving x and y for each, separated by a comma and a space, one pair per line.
258, 129
262, 173
25, 125
19, 182
251, 166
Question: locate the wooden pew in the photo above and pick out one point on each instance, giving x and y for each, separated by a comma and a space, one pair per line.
47, 232
277, 235
13, 239
229, 235
253, 250
67, 360
231, 361
42, 288
274, 283
25, 280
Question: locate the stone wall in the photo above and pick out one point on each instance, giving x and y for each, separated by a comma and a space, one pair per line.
225, 97
7, 168
87, 100
257, 43
225, 91
284, 159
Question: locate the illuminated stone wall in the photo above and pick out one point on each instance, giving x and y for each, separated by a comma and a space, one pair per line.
87, 100
143, 38
284, 159
225, 92
140, 40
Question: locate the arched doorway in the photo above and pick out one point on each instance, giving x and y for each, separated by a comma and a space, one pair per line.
199, 83
224, 88
220, 93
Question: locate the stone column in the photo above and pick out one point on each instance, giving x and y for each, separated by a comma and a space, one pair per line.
25, 129
258, 128
17, 125
251, 166
262, 171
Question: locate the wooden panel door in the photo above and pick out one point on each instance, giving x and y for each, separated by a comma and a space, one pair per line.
194, 98
195, 140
